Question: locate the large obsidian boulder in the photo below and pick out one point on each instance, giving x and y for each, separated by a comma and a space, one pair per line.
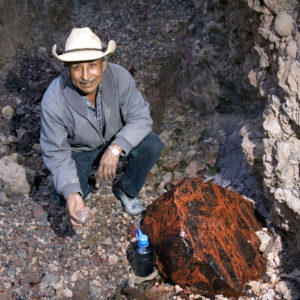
204, 237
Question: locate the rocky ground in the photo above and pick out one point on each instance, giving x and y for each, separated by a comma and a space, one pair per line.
42, 256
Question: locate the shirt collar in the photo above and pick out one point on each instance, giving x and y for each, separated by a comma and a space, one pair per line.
98, 98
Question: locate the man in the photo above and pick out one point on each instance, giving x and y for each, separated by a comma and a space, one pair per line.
93, 112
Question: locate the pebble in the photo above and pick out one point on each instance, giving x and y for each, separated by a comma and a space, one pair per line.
113, 259
59, 285
220, 297
291, 49
269, 295
281, 287
107, 241
67, 293
7, 111
264, 238
194, 168
255, 286
284, 24
3, 198
50, 279
273, 278
42, 50
178, 289
167, 177
75, 276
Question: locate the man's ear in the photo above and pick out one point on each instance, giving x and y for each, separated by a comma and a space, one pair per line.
104, 65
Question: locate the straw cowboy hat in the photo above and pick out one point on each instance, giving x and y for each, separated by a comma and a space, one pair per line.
82, 44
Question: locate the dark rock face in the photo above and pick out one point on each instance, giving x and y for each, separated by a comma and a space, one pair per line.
204, 237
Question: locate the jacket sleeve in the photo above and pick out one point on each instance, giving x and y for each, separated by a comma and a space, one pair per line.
56, 150
135, 113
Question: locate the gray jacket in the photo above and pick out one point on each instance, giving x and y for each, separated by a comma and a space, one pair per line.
66, 126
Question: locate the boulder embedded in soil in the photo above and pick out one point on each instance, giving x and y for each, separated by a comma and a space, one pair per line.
284, 24
13, 176
204, 237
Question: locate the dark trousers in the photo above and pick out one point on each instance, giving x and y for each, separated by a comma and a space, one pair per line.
138, 163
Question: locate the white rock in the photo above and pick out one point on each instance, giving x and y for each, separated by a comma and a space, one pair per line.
269, 295
167, 177
291, 49
194, 168
7, 111
255, 286
273, 278
3, 197
59, 285
264, 238
264, 287
284, 24
68, 293
107, 241
288, 295
75, 276
42, 50
97, 282
154, 169
252, 76
284, 150
282, 288
113, 259
271, 125
273, 38
13, 176
273, 259
294, 77
178, 289
18, 100
220, 297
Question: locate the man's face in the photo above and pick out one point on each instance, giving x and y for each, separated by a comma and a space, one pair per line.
86, 75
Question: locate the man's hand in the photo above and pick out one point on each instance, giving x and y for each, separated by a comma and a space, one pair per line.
108, 164
73, 205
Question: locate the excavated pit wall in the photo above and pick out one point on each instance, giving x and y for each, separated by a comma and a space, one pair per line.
277, 77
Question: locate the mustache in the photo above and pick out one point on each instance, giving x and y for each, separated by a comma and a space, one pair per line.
86, 81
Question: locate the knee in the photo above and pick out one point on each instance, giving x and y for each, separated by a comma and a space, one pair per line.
154, 144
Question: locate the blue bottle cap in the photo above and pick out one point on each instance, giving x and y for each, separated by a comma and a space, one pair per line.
142, 239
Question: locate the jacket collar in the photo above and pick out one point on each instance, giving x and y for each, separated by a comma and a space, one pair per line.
72, 96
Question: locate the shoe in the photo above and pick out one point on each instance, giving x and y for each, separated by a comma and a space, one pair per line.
133, 206
88, 197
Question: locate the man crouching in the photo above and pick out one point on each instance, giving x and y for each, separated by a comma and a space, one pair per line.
93, 112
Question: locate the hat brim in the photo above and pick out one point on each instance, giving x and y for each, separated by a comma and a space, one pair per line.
84, 54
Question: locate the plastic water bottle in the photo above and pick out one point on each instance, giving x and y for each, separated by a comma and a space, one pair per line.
143, 261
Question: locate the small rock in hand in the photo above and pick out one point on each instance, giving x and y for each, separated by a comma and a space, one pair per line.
82, 216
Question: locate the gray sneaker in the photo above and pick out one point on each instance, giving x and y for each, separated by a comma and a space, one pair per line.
133, 206
88, 197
